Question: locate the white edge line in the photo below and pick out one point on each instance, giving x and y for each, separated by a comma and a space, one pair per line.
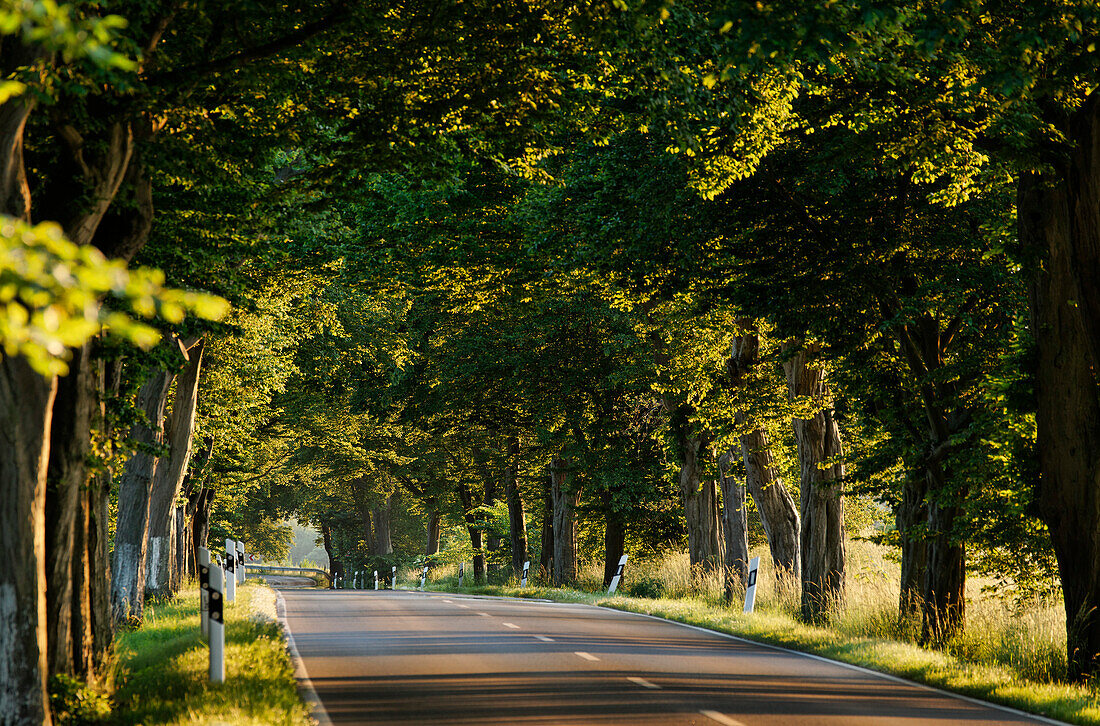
316, 709
852, 666
721, 718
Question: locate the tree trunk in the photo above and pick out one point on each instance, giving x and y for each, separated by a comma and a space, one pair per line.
546, 535
614, 539
383, 544
99, 530
696, 490
170, 472
128, 565
777, 510
517, 518
492, 540
326, 540
912, 514
479, 555
943, 598
1058, 221
735, 529
26, 405
565, 523
200, 523
822, 474
66, 484
432, 546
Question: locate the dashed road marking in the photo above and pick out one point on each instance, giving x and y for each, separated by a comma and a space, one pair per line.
462, 606
513, 626
544, 639
446, 600
487, 615
643, 682
721, 718
586, 656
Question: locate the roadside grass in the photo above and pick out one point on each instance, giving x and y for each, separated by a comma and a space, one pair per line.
1012, 653
163, 666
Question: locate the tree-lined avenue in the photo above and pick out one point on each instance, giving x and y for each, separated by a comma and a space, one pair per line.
403, 657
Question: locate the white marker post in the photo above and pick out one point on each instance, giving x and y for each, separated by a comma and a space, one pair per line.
217, 625
376, 579
750, 589
461, 572
618, 576
526, 569
230, 571
423, 578
241, 574
393, 580
204, 591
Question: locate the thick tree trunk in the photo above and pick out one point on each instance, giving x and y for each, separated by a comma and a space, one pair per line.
735, 529
26, 405
109, 377
200, 522
943, 598
434, 520
466, 497
777, 510
170, 472
912, 514
326, 540
517, 518
1058, 221
492, 539
383, 543
614, 539
66, 484
697, 491
822, 474
128, 565
546, 535
479, 555
565, 523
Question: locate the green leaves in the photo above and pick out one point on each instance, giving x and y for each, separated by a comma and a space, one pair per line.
52, 292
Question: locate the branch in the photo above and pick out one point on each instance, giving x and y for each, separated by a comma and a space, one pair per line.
282, 460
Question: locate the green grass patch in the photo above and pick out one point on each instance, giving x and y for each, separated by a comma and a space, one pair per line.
164, 676
990, 682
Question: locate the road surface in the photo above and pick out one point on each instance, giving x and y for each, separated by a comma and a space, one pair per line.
428, 658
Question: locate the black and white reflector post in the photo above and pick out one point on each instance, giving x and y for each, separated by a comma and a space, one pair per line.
750, 586
217, 625
526, 569
618, 576
461, 572
393, 578
230, 570
241, 574
423, 578
376, 579
204, 591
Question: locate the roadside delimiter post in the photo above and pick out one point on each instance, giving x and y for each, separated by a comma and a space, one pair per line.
526, 569
204, 591
230, 571
393, 578
423, 578
618, 576
376, 579
750, 589
242, 575
217, 625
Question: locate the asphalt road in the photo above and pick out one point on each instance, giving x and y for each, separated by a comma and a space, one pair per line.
426, 658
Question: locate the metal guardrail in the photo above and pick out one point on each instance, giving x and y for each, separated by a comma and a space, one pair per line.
279, 568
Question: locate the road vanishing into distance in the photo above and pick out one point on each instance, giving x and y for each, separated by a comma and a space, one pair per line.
397, 657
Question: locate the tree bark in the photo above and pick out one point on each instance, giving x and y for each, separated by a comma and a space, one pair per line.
170, 473
380, 514
697, 491
943, 596
432, 546
614, 538
109, 377
822, 474
546, 535
777, 510
565, 523
26, 405
128, 565
735, 529
66, 481
466, 498
1057, 215
911, 514
517, 518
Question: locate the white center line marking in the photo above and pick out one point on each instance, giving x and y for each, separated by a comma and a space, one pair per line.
544, 639
446, 600
485, 614
721, 718
513, 626
462, 606
643, 682
586, 656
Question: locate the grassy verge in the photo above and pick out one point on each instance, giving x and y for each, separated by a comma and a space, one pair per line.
989, 682
163, 677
